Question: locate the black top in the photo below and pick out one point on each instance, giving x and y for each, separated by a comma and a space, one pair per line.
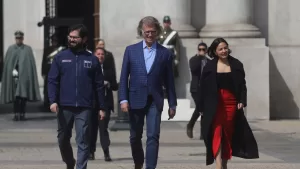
225, 81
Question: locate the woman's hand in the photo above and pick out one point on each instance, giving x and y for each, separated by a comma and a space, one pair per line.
240, 106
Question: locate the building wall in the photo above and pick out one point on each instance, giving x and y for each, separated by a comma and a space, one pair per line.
284, 43
279, 23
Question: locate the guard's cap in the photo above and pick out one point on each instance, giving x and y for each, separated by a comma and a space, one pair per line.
19, 34
167, 19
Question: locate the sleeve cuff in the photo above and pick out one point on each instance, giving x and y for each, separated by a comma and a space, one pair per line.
123, 101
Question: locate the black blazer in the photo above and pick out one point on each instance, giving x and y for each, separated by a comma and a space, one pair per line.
195, 68
243, 142
109, 73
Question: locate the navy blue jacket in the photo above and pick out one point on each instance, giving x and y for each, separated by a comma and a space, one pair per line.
141, 84
73, 79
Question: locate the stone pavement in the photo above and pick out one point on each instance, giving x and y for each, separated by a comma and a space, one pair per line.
32, 145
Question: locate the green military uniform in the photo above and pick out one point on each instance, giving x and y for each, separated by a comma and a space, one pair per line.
19, 79
169, 38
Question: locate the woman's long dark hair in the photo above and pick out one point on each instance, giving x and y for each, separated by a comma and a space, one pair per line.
213, 47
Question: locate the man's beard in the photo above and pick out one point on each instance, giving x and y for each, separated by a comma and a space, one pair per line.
76, 47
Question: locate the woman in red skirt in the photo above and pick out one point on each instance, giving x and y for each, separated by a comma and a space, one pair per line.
223, 96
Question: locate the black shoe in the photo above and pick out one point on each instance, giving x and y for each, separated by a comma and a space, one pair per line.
22, 117
138, 166
72, 166
107, 157
16, 117
92, 156
189, 131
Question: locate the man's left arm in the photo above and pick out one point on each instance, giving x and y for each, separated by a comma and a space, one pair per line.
99, 84
169, 83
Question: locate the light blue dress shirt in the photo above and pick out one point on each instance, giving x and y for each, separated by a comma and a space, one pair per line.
149, 57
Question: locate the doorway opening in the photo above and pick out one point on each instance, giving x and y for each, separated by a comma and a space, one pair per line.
74, 9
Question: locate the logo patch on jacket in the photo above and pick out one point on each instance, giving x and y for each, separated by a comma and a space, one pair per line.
66, 60
87, 64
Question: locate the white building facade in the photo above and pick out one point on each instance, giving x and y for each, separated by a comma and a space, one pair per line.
263, 34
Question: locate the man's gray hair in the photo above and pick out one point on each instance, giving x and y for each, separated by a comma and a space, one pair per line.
150, 21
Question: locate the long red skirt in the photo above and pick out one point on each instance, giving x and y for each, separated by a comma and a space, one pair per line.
223, 124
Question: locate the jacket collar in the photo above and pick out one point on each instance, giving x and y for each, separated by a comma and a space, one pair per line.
233, 62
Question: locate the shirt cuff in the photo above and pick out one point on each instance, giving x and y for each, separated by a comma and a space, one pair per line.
123, 101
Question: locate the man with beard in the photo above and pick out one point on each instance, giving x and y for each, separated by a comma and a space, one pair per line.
197, 64
74, 76
48, 56
19, 80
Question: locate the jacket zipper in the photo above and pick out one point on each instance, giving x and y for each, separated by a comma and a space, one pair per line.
76, 79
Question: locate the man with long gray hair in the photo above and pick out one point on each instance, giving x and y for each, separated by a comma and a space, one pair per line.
149, 66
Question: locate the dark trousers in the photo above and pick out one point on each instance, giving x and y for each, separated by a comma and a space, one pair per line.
65, 120
153, 120
196, 114
20, 105
46, 98
102, 125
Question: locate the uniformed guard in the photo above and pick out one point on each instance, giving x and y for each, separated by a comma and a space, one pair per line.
19, 78
48, 56
170, 39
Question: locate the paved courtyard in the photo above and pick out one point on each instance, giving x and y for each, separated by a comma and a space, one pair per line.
32, 145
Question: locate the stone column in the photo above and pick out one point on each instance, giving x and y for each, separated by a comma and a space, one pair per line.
178, 10
230, 18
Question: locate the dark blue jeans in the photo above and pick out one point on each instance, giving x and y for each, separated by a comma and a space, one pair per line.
153, 120
65, 119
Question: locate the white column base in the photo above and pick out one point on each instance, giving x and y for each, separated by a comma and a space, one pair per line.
230, 31
186, 31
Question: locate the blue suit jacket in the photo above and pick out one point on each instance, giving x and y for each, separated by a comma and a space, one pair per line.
136, 84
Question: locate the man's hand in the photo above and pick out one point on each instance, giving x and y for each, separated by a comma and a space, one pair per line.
240, 106
176, 62
101, 115
54, 108
107, 84
125, 107
171, 113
